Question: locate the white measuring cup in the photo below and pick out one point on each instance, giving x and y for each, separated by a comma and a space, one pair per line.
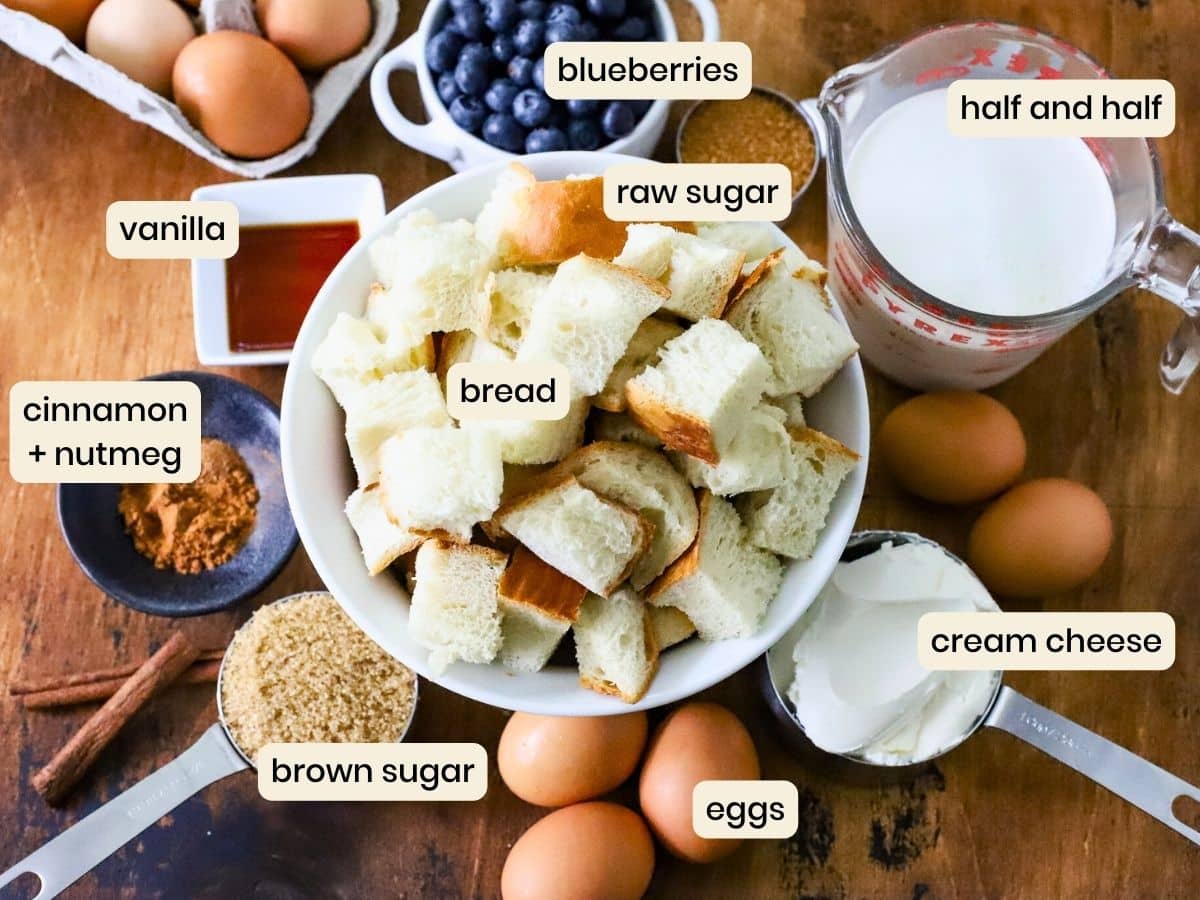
928, 342
63, 860
1151, 789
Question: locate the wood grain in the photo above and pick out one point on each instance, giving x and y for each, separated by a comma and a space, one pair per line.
993, 819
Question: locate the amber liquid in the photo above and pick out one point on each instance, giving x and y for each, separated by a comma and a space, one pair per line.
273, 278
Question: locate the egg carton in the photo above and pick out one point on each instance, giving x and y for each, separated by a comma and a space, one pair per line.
49, 47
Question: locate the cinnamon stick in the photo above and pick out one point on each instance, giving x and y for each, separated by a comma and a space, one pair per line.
77, 755
200, 672
57, 682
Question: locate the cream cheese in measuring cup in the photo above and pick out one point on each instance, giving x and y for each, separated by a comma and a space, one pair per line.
859, 689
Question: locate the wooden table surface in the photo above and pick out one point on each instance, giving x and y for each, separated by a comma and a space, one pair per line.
993, 819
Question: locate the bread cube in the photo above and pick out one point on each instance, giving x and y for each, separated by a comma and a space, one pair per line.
789, 519
539, 604
642, 350
697, 396
441, 480
723, 583
670, 626
614, 645
788, 317
698, 273
758, 458
589, 539
381, 539
586, 318
379, 409
437, 270
455, 612
506, 304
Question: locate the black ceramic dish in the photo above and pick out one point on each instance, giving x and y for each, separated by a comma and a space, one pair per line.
87, 513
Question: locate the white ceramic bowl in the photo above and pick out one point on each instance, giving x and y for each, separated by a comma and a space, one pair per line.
318, 476
442, 138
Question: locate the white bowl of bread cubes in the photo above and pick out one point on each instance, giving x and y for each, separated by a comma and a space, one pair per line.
664, 533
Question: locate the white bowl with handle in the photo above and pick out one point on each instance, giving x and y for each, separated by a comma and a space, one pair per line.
319, 477
442, 138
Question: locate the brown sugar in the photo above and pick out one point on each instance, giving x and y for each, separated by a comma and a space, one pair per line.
195, 526
761, 128
301, 671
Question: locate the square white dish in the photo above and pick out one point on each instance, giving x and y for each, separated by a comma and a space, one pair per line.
278, 201
319, 478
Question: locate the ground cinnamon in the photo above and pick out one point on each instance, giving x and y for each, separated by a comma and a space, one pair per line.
195, 526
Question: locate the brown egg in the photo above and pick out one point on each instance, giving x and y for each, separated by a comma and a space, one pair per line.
141, 38
1042, 537
589, 851
242, 92
316, 33
952, 447
698, 742
556, 760
68, 16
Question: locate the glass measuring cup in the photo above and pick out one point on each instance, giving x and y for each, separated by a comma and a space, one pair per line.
65, 859
1148, 787
927, 342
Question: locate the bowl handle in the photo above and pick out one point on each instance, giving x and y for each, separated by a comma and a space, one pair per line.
710, 22
426, 138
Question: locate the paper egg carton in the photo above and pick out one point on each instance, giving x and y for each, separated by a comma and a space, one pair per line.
48, 46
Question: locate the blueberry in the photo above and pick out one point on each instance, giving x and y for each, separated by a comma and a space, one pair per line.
502, 48
639, 107
471, 76
588, 31
499, 15
634, 28
468, 21
561, 31
606, 9
499, 96
531, 108
447, 87
543, 140
477, 53
531, 9
584, 134
528, 37
618, 119
564, 12
441, 53
539, 73
501, 130
581, 109
457, 4
468, 113
520, 70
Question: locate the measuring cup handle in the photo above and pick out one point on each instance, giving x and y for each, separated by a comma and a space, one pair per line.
1126, 774
68, 857
1168, 264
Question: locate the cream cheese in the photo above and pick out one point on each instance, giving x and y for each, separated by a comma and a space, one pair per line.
859, 689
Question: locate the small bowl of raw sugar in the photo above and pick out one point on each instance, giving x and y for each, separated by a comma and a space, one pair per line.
766, 126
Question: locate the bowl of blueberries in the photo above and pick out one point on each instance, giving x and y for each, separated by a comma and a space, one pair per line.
479, 67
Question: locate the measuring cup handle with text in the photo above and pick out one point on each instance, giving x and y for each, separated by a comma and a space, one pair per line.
67, 858
1169, 265
1145, 785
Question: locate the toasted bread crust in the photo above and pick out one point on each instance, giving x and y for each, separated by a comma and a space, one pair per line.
678, 430
689, 563
725, 295
824, 442
527, 581
551, 221
652, 652
746, 282
645, 535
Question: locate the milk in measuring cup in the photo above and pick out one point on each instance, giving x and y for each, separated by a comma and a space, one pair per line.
1003, 226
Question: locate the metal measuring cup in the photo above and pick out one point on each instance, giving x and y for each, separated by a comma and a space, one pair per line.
1148, 787
65, 859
